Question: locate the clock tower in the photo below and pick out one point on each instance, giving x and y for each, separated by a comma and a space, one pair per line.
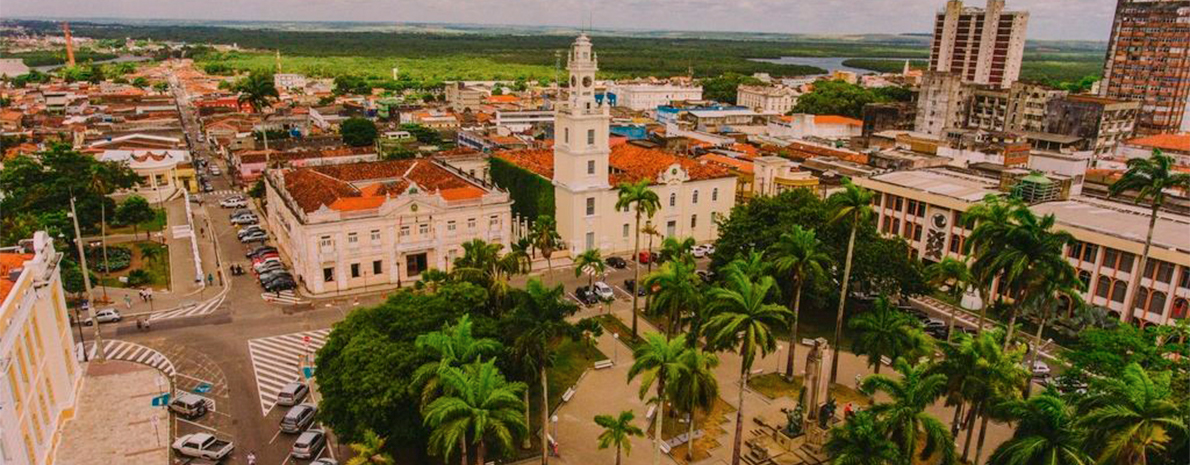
581, 126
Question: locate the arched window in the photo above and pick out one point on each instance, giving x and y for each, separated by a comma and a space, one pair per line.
1180, 307
1142, 297
1085, 277
1103, 289
1157, 302
673, 200
1118, 289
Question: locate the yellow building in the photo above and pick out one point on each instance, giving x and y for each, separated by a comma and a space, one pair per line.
41, 376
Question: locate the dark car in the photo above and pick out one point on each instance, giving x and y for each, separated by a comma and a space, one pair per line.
260, 250
280, 275
585, 295
616, 262
281, 285
630, 285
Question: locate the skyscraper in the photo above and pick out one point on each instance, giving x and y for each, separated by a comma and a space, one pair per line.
981, 45
1148, 60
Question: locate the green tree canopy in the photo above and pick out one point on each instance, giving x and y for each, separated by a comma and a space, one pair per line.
135, 210
724, 87
358, 132
841, 98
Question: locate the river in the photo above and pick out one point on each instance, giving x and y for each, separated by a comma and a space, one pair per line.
119, 59
830, 64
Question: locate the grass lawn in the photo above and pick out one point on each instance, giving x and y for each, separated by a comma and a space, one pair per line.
711, 424
613, 325
571, 359
158, 268
774, 386
156, 224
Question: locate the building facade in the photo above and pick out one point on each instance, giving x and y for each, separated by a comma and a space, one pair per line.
942, 104
767, 99
1148, 60
925, 208
981, 45
642, 97
41, 377
379, 224
1101, 122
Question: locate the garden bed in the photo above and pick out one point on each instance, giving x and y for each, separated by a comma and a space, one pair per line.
148, 266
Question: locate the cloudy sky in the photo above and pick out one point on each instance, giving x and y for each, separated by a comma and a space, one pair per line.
1049, 19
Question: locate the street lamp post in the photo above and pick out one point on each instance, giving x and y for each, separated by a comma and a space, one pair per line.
616, 348
78, 242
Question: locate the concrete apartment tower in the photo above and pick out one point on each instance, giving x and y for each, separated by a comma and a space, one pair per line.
581, 148
1148, 60
981, 45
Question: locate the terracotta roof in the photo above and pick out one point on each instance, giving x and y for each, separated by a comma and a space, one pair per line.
361, 186
803, 151
503, 98
729, 162
258, 156
836, 119
9, 262
1175, 142
628, 163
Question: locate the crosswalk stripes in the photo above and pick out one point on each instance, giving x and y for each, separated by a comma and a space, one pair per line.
192, 310
283, 297
115, 349
220, 193
277, 361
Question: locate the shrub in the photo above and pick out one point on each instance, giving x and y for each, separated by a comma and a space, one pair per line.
138, 278
118, 258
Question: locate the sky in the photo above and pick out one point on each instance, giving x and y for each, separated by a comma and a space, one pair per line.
1049, 19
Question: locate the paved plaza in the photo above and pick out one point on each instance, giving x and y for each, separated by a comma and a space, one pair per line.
115, 421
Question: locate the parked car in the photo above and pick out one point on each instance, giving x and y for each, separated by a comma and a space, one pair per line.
258, 266
265, 256
630, 285
215, 170
189, 405
249, 230
203, 446
644, 257
240, 212
699, 251
206, 187
260, 250
586, 295
616, 262
298, 418
245, 219
270, 267
234, 202
107, 315
273, 275
281, 285
1041, 369
324, 461
309, 444
292, 393
603, 291
261, 237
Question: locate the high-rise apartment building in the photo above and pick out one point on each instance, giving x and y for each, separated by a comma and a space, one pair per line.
1148, 60
981, 45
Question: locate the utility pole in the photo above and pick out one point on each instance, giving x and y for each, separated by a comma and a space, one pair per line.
78, 241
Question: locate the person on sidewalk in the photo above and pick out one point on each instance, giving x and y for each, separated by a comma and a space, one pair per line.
127, 301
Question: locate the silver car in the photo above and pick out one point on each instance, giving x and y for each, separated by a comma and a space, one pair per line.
107, 315
292, 393
309, 444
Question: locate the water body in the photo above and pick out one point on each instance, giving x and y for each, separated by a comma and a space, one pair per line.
119, 59
830, 64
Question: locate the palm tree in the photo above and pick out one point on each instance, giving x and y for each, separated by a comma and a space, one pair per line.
645, 202
618, 432
481, 404
882, 332
370, 451
1150, 178
674, 248
151, 251
541, 314
546, 240
905, 415
799, 254
257, 91
677, 289
1059, 287
743, 320
953, 274
853, 205
695, 388
658, 361
1131, 417
993, 375
1045, 433
591, 263
483, 265
453, 346
987, 221
861, 441
752, 265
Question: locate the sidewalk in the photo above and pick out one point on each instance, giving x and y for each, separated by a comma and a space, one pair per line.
115, 420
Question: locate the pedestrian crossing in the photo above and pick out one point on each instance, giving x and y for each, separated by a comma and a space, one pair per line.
115, 349
277, 361
221, 193
204, 308
283, 297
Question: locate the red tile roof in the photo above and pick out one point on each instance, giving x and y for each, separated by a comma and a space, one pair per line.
741, 165
9, 262
629, 163
836, 119
1176, 142
361, 186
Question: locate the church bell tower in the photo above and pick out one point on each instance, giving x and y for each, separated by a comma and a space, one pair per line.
581, 126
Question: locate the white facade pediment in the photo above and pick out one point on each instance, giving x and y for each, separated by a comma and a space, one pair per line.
673, 174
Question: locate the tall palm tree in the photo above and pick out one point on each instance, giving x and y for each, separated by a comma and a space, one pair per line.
799, 255
994, 375
743, 321
658, 361
644, 202
853, 206
862, 441
752, 265
676, 289
618, 432
1131, 417
591, 263
1150, 178
987, 221
677, 248
953, 274
370, 451
885, 332
541, 314
905, 415
956, 364
1045, 433
1062, 282
695, 388
257, 91
480, 404
546, 240
452, 346
483, 264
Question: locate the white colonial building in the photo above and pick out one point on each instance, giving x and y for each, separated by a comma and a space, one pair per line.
585, 171
647, 96
379, 224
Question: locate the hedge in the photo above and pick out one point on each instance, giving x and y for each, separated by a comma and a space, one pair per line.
532, 195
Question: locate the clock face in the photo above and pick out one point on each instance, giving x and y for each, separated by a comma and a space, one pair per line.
939, 220
587, 81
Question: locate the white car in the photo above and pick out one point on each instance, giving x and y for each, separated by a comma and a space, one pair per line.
215, 170
107, 315
603, 290
234, 202
1040, 369
699, 251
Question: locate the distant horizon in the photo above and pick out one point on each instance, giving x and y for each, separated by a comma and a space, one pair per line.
1050, 20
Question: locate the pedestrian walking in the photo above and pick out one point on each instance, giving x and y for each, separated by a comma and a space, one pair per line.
127, 301
858, 378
